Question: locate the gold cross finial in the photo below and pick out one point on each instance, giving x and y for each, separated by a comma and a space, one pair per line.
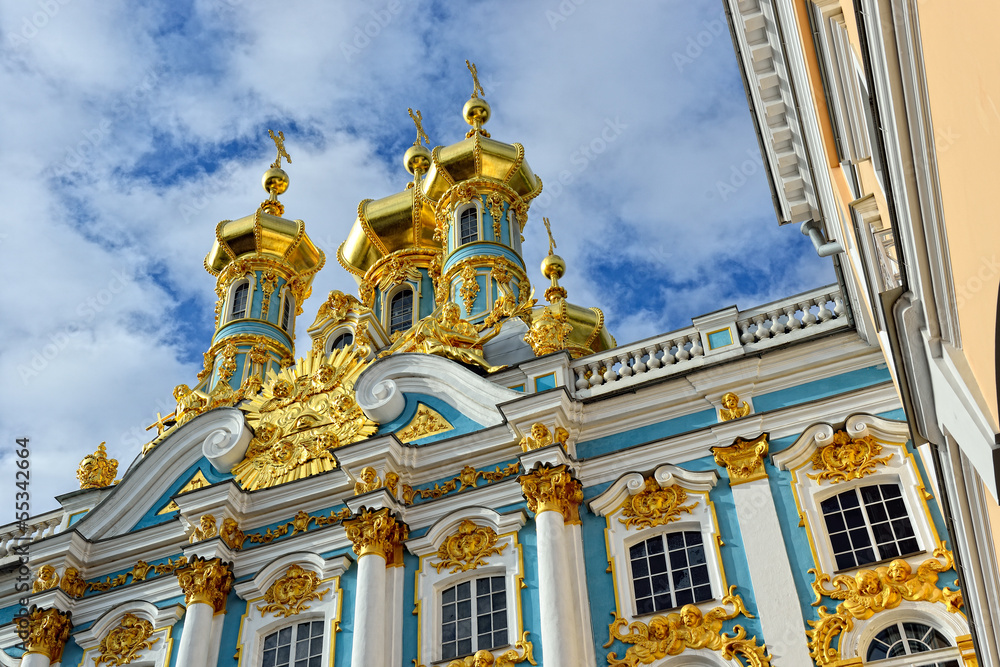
417, 117
552, 241
279, 142
477, 89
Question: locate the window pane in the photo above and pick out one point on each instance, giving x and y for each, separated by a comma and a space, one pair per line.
468, 227
401, 311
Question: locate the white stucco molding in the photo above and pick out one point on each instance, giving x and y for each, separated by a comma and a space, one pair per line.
820, 435
854, 642
227, 444
380, 388
633, 483
163, 621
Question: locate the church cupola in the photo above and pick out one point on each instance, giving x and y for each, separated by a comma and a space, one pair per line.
264, 266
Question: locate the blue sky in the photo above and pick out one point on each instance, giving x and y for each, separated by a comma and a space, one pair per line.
135, 127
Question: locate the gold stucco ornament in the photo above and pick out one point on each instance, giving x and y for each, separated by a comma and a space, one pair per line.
869, 592
540, 436
847, 458
672, 634
45, 578
446, 334
467, 548
368, 480
124, 643
426, 422
206, 582
48, 630
300, 416
378, 533
484, 658
732, 408
291, 593
744, 459
655, 505
206, 529
96, 470
552, 488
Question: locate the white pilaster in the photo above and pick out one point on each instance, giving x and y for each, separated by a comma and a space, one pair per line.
557, 594
35, 660
581, 599
368, 649
774, 589
196, 640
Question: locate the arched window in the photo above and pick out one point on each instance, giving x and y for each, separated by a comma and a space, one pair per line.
343, 340
669, 571
907, 638
305, 651
473, 617
868, 524
238, 309
468, 226
286, 313
401, 311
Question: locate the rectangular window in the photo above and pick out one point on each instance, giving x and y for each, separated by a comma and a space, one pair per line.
307, 650
669, 571
459, 606
862, 520
468, 227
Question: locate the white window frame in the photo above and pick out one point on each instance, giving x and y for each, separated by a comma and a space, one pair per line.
387, 305
337, 333
163, 620
255, 625
477, 204
430, 584
900, 469
621, 538
854, 642
292, 625
227, 308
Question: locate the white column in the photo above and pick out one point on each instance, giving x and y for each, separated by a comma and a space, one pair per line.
574, 540
774, 592
196, 639
368, 649
35, 660
561, 641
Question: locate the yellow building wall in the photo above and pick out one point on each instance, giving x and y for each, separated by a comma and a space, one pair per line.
962, 60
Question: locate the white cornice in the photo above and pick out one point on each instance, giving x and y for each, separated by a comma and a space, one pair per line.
633, 483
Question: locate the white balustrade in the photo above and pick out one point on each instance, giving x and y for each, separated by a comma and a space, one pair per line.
762, 327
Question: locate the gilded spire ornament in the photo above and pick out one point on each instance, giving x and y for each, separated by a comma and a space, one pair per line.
550, 330
279, 143
417, 119
275, 180
477, 110
477, 89
96, 470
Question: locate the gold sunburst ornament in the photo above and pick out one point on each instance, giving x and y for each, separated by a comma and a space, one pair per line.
303, 413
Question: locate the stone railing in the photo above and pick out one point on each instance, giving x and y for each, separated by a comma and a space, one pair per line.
721, 335
20, 534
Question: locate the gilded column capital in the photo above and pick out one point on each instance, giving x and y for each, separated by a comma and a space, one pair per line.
206, 581
48, 630
552, 488
744, 459
377, 532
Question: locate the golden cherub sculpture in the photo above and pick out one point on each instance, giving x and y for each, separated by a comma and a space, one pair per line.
732, 408
446, 334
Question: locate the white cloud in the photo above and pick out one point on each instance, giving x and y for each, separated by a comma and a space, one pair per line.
134, 131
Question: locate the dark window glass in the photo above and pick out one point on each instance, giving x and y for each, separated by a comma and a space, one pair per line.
401, 311
470, 623
239, 308
286, 313
343, 340
305, 651
907, 638
468, 226
868, 524
669, 571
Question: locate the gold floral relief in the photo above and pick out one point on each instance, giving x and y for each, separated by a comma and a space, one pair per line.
96, 470
303, 413
552, 488
655, 505
672, 634
206, 582
470, 288
468, 548
847, 458
48, 631
377, 532
869, 592
291, 593
426, 422
523, 651
744, 459
124, 643
467, 479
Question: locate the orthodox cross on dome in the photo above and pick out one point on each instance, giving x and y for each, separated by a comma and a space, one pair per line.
552, 240
417, 119
477, 89
279, 142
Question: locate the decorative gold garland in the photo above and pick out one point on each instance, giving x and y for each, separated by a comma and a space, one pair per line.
467, 479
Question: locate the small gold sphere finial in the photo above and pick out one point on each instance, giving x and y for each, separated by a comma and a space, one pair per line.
476, 112
275, 181
417, 157
553, 266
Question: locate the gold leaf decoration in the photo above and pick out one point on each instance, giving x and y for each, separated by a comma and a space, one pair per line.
426, 422
291, 593
869, 592
847, 458
672, 634
467, 548
552, 488
303, 413
470, 288
732, 408
744, 459
96, 470
45, 578
466, 479
655, 505
483, 658
124, 643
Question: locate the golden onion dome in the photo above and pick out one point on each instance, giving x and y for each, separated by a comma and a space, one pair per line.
268, 236
480, 156
386, 225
